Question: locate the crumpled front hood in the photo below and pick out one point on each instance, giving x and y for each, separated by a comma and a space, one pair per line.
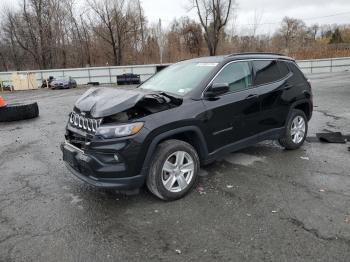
101, 102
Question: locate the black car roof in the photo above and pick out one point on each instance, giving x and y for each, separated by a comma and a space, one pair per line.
239, 56
207, 59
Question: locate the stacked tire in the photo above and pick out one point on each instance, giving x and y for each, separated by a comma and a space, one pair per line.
18, 111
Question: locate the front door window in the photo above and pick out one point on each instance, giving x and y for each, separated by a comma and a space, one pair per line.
237, 75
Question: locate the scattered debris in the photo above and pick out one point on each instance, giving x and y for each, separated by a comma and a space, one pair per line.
75, 199
329, 137
332, 137
178, 251
347, 220
201, 191
305, 158
200, 188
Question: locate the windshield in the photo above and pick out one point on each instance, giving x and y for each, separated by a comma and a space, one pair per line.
179, 78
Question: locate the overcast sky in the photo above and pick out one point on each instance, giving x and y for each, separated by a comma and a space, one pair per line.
269, 12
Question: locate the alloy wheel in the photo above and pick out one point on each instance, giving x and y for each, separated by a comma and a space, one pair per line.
177, 171
298, 129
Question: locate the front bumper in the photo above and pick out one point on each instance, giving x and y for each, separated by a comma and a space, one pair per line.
89, 167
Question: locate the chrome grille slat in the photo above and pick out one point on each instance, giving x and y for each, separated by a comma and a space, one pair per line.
84, 123
89, 126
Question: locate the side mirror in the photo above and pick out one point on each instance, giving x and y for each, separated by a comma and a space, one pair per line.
217, 89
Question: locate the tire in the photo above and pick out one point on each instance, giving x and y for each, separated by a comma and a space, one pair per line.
290, 141
179, 183
19, 111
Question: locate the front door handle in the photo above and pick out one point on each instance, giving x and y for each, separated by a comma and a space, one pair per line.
251, 96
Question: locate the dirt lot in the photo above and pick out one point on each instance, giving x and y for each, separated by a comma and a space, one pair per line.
262, 203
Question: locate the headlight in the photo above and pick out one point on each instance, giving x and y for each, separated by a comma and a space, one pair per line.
119, 130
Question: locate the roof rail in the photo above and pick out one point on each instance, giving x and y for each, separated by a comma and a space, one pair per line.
255, 53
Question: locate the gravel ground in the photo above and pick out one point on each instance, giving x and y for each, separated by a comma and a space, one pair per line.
261, 203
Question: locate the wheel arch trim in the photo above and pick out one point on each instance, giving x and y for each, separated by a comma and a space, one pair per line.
300, 102
155, 141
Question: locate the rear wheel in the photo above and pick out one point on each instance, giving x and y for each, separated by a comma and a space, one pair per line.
296, 130
173, 170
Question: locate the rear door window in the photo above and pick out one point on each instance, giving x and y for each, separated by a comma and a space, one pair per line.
266, 71
296, 71
284, 70
237, 75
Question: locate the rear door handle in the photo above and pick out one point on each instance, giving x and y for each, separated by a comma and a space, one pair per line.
251, 96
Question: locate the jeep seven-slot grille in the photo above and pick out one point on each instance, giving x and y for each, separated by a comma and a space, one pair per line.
84, 123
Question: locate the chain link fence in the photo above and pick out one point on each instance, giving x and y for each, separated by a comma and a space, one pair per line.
108, 75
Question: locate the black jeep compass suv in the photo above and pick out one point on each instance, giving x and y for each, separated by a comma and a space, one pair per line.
187, 115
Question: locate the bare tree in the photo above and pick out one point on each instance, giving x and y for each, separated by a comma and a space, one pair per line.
32, 29
142, 20
192, 34
292, 30
105, 26
3, 61
10, 51
136, 35
256, 22
160, 40
213, 15
314, 30
85, 31
113, 24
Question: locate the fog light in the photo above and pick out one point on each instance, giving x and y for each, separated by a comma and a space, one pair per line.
116, 157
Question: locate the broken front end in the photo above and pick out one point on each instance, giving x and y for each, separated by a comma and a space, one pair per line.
106, 135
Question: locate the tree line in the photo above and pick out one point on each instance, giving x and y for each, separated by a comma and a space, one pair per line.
44, 34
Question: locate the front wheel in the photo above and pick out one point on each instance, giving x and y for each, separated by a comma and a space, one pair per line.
296, 130
174, 170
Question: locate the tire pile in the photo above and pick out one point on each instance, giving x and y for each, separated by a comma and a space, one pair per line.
18, 111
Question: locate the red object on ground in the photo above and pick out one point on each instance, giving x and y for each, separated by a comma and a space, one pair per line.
2, 102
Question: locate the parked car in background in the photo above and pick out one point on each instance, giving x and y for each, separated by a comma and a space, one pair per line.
63, 83
189, 114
